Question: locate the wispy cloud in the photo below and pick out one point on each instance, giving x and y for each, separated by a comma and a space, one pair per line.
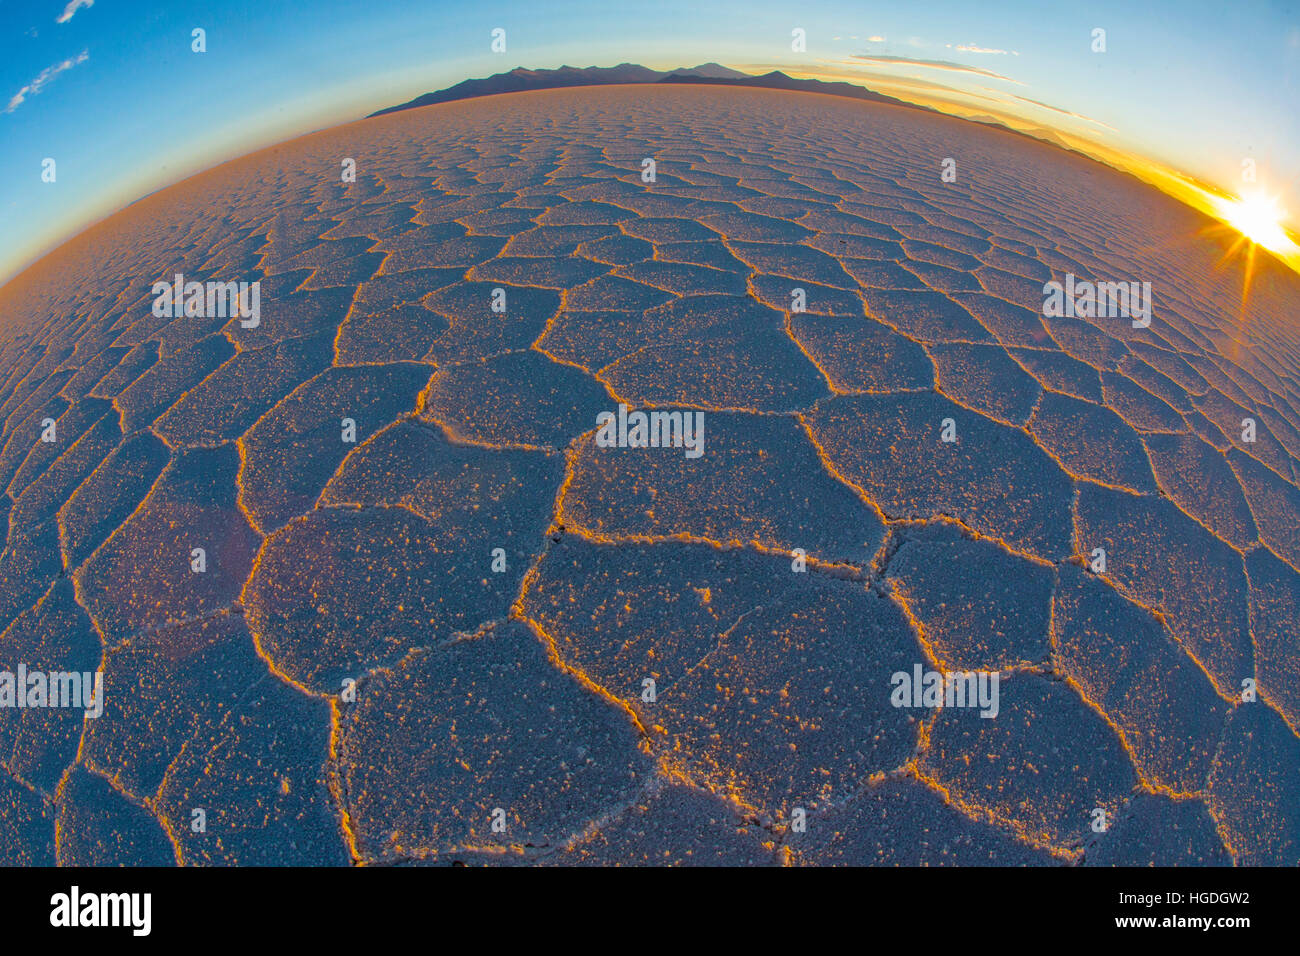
931, 64
973, 48
1057, 109
70, 10
899, 83
44, 79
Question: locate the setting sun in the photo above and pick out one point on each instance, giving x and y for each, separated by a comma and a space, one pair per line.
1259, 218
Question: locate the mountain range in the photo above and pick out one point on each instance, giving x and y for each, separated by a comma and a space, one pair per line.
520, 79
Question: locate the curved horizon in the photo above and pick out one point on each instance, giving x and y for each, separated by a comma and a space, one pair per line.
1197, 196
1179, 127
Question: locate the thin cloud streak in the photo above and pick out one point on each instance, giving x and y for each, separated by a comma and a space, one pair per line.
43, 80
947, 65
71, 9
972, 48
1057, 109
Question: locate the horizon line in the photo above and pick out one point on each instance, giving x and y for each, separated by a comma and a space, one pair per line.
1180, 186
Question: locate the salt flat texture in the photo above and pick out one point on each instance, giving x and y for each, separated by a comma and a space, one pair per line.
522, 690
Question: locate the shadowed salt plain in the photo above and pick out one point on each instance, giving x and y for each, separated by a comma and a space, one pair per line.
522, 690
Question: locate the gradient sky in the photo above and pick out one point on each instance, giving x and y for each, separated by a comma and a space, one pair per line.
114, 94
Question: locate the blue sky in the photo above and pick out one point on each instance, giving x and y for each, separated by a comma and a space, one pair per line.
115, 95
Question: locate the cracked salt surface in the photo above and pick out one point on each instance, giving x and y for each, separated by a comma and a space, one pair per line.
524, 690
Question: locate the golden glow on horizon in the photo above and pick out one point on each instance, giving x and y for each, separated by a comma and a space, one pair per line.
1259, 218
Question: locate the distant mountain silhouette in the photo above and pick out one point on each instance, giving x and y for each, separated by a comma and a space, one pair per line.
776, 80
520, 79
714, 74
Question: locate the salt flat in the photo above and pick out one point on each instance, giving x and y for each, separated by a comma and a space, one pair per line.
522, 688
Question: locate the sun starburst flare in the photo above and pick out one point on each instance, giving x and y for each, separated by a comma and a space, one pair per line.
1259, 217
